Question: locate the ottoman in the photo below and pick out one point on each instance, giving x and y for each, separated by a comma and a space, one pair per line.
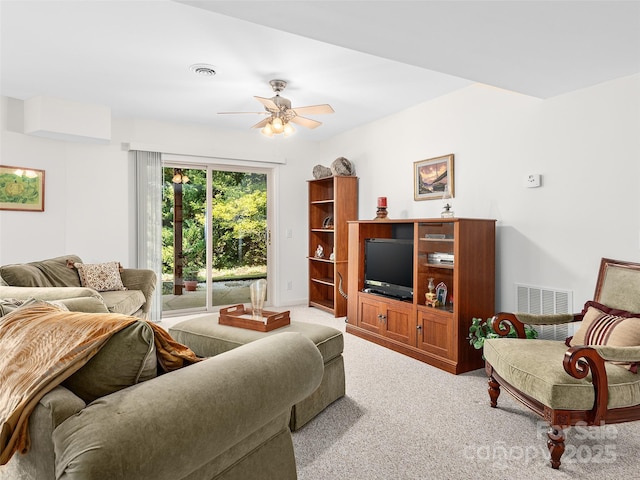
207, 338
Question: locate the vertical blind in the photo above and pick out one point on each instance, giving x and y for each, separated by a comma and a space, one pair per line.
149, 221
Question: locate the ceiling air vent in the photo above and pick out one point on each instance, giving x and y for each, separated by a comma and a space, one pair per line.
203, 69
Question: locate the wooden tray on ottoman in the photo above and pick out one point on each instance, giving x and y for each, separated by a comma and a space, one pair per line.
237, 316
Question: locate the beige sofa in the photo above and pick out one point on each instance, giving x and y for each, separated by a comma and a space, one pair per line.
223, 418
56, 279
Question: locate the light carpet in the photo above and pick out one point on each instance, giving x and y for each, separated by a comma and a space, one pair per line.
402, 419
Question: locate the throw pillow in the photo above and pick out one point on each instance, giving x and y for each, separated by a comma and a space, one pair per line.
602, 325
103, 277
128, 358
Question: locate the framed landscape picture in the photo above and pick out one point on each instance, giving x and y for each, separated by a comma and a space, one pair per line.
431, 176
21, 189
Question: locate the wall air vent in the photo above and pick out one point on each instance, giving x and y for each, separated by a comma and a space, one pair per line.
545, 301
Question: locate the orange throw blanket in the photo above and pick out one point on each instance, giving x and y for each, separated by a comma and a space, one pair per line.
42, 345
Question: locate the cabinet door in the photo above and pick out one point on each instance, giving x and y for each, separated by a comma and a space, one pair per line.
390, 318
398, 322
435, 332
436, 263
369, 314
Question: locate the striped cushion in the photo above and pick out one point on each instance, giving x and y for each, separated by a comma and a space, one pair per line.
605, 326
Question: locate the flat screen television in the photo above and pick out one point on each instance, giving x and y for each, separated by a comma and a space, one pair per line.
388, 267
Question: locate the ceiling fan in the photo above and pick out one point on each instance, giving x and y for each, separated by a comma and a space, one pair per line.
281, 114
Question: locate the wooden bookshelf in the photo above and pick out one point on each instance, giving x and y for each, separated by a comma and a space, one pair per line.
332, 202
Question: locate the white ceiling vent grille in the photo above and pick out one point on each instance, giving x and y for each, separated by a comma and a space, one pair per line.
545, 301
203, 69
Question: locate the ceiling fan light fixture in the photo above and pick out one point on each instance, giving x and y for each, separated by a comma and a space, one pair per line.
279, 113
288, 129
277, 125
267, 130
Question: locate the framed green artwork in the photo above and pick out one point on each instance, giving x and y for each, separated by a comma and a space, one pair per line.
21, 189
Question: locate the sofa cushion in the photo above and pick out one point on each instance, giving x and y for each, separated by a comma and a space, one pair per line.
53, 272
126, 302
103, 277
205, 336
535, 368
84, 304
128, 358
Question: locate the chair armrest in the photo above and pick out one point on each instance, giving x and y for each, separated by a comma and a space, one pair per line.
502, 321
140, 279
618, 354
581, 360
556, 319
197, 412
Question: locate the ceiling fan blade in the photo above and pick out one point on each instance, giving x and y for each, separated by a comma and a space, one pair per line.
262, 123
267, 102
306, 122
243, 113
313, 110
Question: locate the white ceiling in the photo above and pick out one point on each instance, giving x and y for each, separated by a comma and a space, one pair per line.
368, 59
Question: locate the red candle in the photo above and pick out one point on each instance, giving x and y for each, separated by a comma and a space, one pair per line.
382, 202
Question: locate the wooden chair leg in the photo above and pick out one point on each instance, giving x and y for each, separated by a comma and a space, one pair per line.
555, 443
494, 391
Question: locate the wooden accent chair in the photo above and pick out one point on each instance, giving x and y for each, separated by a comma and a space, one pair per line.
588, 380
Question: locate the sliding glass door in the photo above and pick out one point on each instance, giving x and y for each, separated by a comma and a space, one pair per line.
239, 234
215, 235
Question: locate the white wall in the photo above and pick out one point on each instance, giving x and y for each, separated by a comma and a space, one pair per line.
89, 206
584, 144
86, 200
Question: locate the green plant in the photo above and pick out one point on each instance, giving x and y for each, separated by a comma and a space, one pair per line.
190, 273
480, 330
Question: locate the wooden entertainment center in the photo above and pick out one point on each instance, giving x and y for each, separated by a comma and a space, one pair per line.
460, 253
